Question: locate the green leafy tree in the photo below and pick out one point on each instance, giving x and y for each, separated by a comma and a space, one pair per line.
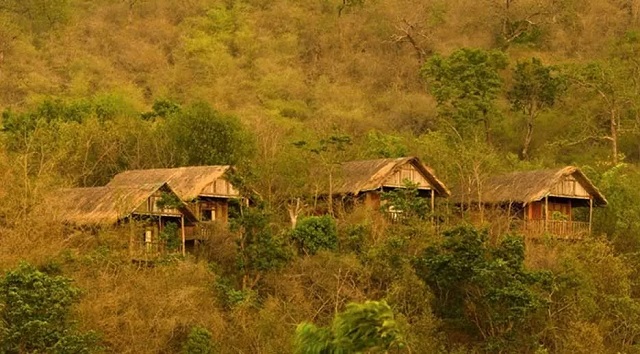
35, 314
367, 327
259, 249
466, 85
536, 88
315, 233
162, 108
619, 220
379, 144
204, 136
485, 287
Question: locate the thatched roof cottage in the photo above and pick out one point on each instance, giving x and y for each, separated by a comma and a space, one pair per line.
206, 189
365, 180
546, 200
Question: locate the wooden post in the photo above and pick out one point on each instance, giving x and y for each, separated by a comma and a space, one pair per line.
546, 213
131, 231
590, 213
433, 206
183, 236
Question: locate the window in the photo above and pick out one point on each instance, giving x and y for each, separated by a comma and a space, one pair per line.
207, 214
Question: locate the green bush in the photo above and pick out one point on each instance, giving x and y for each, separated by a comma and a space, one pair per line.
315, 233
360, 328
198, 342
259, 249
169, 236
485, 288
34, 308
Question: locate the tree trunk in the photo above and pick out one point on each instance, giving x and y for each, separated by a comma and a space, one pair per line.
614, 136
529, 136
294, 211
527, 141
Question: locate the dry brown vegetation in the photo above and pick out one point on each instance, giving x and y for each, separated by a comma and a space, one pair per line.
295, 74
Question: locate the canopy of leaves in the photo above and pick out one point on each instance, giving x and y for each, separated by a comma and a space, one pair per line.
203, 136
369, 326
35, 314
484, 288
536, 86
259, 249
465, 85
315, 233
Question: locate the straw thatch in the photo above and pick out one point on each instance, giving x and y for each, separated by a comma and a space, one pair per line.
187, 182
107, 205
524, 187
368, 175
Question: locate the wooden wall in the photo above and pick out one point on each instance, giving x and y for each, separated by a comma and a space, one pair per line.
407, 172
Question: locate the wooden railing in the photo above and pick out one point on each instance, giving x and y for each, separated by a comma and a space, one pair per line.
141, 250
206, 230
559, 228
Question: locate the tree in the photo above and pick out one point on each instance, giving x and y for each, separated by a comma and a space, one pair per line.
204, 136
314, 233
536, 88
35, 314
466, 85
606, 83
38, 16
259, 250
329, 152
363, 327
484, 287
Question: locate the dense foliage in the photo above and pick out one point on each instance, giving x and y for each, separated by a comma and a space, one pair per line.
486, 288
361, 327
315, 233
35, 309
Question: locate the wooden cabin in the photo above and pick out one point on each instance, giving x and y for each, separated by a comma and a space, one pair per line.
206, 189
365, 181
557, 202
144, 205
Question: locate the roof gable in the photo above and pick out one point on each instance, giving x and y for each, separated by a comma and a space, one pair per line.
187, 182
108, 205
366, 175
531, 186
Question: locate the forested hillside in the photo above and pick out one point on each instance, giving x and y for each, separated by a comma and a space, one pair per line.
286, 90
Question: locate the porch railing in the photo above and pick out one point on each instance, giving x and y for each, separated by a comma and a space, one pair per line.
206, 230
142, 250
559, 228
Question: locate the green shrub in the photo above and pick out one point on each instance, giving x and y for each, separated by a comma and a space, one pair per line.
198, 342
34, 308
315, 233
169, 236
360, 328
485, 288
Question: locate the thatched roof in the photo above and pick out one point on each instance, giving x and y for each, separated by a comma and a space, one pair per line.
106, 205
524, 187
367, 175
186, 182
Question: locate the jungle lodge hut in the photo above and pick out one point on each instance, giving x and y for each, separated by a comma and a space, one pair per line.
152, 206
364, 181
207, 191
556, 201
